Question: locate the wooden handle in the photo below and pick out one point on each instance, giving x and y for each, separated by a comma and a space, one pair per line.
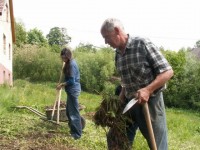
149, 126
61, 73
58, 95
58, 108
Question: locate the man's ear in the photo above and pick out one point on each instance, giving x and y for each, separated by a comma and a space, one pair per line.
116, 30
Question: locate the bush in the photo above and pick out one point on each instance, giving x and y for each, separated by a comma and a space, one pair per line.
36, 64
96, 68
183, 89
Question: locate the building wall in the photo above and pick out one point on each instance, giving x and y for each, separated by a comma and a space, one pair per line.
5, 76
6, 56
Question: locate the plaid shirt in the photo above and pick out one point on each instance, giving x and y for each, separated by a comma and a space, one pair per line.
139, 65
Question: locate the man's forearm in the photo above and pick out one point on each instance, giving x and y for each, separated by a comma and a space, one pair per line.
160, 80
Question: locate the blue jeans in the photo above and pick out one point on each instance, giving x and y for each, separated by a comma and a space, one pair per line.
158, 120
72, 111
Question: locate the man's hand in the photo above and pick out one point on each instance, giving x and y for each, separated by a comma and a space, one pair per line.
143, 95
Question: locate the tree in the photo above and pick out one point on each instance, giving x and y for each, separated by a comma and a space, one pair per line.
65, 38
20, 34
197, 44
35, 37
58, 36
86, 48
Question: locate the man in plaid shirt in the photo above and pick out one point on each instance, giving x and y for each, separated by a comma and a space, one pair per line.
144, 72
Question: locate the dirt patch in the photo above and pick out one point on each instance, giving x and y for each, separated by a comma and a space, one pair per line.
89, 115
33, 141
63, 104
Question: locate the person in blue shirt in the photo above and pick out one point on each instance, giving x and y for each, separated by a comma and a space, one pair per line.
72, 88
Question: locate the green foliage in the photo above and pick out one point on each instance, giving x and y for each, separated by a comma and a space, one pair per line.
58, 36
183, 89
109, 88
88, 48
55, 48
96, 68
35, 37
21, 34
197, 44
22, 129
177, 61
36, 64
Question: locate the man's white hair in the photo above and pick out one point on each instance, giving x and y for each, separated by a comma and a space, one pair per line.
110, 23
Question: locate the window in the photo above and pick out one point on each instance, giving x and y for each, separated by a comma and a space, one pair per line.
4, 76
9, 52
7, 13
4, 44
9, 78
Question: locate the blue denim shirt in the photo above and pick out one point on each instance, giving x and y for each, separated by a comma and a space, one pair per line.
73, 82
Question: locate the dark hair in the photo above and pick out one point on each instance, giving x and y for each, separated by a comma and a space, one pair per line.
67, 53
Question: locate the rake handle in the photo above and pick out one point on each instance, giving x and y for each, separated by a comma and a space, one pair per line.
58, 95
58, 108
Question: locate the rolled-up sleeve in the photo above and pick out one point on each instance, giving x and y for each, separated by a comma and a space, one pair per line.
156, 58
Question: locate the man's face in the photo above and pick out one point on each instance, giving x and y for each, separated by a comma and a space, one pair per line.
111, 38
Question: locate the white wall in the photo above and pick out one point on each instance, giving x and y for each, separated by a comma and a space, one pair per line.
5, 28
6, 62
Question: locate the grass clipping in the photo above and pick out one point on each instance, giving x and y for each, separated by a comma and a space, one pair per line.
109, 114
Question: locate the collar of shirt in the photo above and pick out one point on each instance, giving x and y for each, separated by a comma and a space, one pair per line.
128, 45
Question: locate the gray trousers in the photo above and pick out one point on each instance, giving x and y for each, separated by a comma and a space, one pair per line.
158, 120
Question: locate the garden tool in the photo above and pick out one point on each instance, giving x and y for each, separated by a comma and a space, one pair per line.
149, 126
147, 118
57, 101
129, 105
58, 96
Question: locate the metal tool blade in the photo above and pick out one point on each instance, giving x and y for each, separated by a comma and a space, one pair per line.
129, 105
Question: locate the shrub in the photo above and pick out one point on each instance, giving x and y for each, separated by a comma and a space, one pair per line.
36, 64
96, 68
183, 89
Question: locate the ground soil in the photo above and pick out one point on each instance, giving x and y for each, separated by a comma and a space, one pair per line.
37, 141
63, 105
33, 141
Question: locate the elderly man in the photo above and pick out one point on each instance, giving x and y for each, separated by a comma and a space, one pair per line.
144, 72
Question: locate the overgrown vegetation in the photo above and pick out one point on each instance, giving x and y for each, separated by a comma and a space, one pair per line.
36, 59
97, 68
36, 63
40, 61
183, 89
109, 114
22, 129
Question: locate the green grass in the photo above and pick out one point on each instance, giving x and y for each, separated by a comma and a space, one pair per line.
24, 130
183, 125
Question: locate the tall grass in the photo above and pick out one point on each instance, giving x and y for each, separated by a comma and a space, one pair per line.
29, 131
